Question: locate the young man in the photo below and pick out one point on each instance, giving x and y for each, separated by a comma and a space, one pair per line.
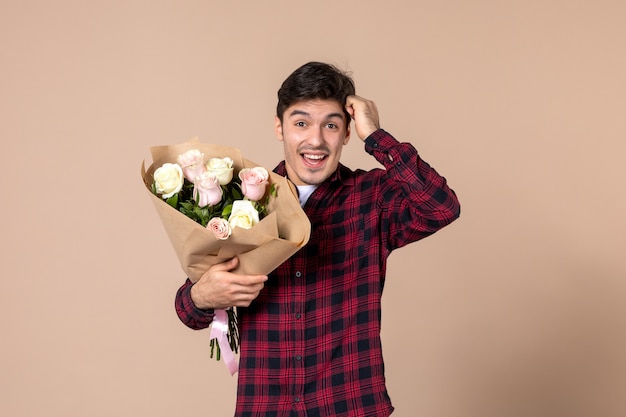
310, 332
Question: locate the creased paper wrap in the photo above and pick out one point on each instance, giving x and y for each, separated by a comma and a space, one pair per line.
260, 249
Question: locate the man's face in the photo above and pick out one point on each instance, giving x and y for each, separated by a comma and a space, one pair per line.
313, 133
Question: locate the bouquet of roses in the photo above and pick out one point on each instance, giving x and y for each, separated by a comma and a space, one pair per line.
206, 192
214, 205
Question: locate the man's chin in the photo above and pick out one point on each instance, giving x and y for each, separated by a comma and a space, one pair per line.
310, 178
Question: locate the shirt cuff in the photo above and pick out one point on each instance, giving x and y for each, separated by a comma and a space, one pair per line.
379, 140
187, 308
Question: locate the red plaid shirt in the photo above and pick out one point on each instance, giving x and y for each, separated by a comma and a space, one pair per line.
310, 343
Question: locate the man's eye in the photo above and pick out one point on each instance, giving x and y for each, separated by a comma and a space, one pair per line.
300, 124
331, 125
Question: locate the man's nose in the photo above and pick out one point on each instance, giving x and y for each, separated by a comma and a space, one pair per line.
316, 138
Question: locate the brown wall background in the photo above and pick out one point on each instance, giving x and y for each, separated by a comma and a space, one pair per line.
516, 310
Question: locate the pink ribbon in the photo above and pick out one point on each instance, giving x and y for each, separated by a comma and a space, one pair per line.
219, 330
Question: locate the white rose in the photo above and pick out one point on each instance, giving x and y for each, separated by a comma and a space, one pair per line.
222, 168
168, 179
243, 215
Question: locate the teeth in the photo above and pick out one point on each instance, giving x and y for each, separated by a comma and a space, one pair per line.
314, 156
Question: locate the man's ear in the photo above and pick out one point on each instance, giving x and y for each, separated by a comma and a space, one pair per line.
347, 138
278, 128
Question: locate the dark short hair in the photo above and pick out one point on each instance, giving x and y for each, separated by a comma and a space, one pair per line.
315, 80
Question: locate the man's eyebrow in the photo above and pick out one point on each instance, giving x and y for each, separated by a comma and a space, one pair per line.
339, 115
297, 112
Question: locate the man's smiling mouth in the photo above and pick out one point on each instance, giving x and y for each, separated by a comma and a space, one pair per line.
308, 156
313, 159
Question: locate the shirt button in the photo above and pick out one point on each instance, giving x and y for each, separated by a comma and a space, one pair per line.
298, 357
298, 316
298, 274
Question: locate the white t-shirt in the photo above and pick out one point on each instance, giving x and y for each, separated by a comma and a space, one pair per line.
304, 192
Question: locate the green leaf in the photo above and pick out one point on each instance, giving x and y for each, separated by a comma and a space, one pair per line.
173, 200
237, 194
228, 208
187, 205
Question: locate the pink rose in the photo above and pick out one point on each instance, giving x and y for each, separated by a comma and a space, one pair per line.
253, 182
192, 163
207, 190
220, 228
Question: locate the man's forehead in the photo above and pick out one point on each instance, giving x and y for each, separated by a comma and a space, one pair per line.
316, 108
